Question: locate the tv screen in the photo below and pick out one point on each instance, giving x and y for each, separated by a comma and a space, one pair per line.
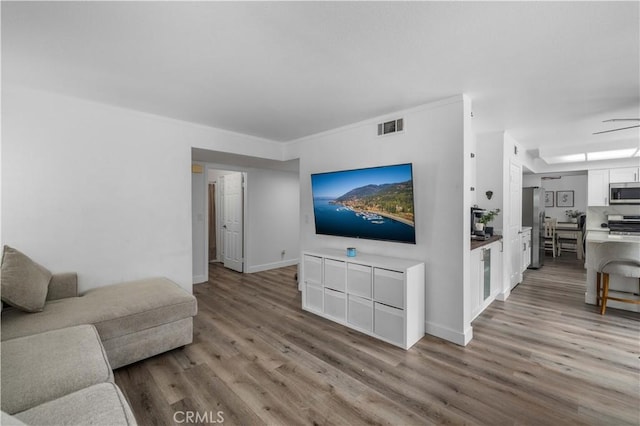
374, 203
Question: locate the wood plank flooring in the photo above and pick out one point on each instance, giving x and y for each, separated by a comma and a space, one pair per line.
543, 357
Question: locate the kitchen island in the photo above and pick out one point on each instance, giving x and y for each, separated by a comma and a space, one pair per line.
602, 246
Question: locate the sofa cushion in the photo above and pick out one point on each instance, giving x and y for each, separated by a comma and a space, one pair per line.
8, 420
116, 310
24, 282
101, 404
46, 366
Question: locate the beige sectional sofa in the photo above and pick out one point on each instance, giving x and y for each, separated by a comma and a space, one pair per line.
69, 372
135, 320
60, 377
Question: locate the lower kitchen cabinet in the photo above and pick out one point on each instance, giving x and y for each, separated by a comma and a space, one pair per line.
381, 296
486, 277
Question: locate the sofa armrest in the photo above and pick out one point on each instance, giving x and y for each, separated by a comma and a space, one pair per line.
62, 286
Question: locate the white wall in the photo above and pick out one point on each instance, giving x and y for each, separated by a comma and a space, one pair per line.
273, 210
434, 142
597, 215
199, 218
81, 189
489, 154
573, 182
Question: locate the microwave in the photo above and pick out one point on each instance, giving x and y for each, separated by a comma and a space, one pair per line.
624, 193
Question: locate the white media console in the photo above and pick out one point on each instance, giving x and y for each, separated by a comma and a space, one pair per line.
381, 296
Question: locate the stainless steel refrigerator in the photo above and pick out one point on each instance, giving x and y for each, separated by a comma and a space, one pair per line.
533, 216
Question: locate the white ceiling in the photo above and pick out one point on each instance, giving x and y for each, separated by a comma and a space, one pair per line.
547, 72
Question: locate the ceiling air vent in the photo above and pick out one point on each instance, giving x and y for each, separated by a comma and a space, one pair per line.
393, 126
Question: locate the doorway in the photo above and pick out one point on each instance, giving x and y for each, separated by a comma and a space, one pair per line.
226, 218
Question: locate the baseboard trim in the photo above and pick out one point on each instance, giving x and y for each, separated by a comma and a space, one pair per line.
274, 265
504, 295
197, 279
448, 334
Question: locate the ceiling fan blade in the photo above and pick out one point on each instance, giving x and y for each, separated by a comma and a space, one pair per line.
615, 130
621, 119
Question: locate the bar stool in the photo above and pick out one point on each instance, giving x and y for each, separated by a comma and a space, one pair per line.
623, 267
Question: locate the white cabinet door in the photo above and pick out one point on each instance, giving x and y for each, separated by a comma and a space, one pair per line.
335, 274
312, 269
388, 323
360, 312
313, 297
625, 174
598, 188
388, 287
496, 268
486, 277
335, 304
477, 281
359, 280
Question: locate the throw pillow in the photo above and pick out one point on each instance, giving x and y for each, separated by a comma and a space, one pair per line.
24, 283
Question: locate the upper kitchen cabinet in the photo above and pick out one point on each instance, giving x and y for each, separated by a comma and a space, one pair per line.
625, 174
598, 188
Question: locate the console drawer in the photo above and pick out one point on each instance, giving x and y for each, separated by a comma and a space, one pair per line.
313, 297
360, 312
388, 323
388, 287
335, 274
359, 280
335, 304
312, 269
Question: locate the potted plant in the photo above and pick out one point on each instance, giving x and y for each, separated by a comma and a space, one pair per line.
573, 215
488, 217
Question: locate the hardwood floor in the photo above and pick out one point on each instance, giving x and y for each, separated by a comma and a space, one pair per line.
544, 357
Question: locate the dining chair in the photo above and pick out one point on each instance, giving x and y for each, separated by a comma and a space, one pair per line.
550, 236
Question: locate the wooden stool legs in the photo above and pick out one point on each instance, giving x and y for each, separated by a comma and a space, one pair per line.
605, 292
602, 286
598, 297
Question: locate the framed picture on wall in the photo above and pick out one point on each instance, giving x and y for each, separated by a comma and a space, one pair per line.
564, 198
548, 198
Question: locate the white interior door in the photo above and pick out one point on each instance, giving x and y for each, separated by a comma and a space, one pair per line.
232, 223
515, 223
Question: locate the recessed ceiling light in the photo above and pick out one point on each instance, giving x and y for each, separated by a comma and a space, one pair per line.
569, 158
610, 155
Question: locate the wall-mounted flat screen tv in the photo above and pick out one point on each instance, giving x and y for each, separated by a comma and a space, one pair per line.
374, 203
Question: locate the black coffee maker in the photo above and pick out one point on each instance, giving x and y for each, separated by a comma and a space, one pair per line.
476, 214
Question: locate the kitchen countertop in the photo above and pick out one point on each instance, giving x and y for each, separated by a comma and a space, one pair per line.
481, 243
601, 237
